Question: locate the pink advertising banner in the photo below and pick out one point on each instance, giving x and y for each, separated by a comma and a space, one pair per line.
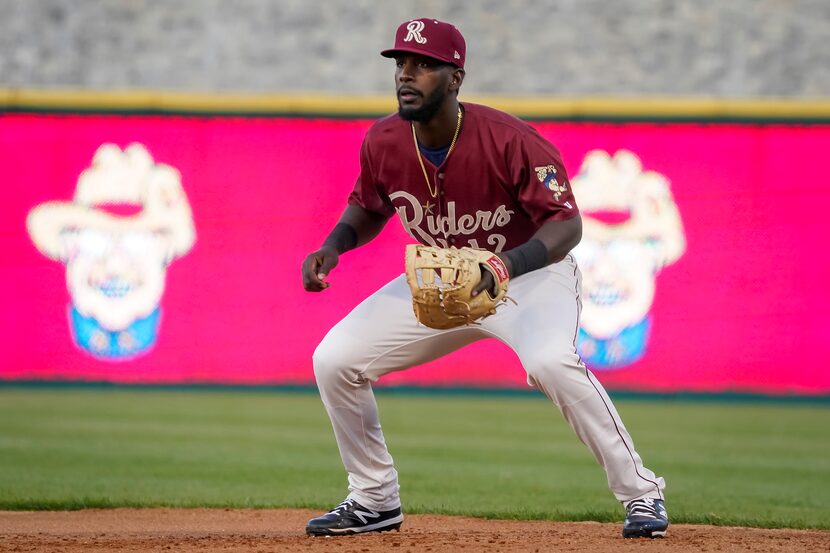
173, 254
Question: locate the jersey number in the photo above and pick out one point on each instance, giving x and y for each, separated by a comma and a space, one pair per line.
496, 240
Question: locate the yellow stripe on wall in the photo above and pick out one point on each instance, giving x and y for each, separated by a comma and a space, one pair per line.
340, 105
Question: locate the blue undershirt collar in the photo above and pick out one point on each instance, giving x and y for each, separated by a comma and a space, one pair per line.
436, 156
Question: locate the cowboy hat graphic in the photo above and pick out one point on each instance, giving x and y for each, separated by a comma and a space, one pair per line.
128, 220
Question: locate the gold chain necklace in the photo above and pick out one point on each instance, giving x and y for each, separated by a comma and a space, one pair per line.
434, 193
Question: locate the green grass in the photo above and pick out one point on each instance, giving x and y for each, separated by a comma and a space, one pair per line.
509, 457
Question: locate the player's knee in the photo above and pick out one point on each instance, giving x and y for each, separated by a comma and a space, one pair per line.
325, 363
551, 363
331, 361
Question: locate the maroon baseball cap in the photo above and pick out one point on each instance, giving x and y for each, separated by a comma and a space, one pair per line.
431, 38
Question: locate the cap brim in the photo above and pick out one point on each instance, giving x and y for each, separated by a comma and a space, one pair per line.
395, 52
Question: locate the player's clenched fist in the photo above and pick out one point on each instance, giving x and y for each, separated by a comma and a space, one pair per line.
317, 266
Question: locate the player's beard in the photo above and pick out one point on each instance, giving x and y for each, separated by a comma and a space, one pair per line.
431, 106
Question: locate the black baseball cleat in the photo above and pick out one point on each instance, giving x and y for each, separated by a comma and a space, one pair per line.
645, 518
350, 517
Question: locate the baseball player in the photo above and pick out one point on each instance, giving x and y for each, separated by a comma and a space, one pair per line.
461, 174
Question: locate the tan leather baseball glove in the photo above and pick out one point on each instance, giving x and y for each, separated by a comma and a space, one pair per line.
442, 280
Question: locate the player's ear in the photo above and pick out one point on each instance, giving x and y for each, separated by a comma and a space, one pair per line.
457, 78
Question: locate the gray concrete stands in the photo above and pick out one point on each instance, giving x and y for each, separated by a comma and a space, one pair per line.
726, 48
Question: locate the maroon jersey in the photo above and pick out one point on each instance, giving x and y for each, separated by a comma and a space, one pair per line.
499, 184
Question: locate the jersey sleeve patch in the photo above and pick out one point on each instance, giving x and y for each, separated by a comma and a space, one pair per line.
547, 176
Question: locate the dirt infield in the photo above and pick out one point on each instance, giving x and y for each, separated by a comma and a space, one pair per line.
184, 530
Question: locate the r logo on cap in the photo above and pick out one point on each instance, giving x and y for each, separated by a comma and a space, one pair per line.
414, 29
444, 42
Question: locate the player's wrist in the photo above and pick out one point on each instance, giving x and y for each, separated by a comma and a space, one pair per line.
342, 238
328, 249
530, 256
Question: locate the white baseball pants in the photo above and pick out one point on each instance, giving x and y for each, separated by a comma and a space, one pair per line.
381, 335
